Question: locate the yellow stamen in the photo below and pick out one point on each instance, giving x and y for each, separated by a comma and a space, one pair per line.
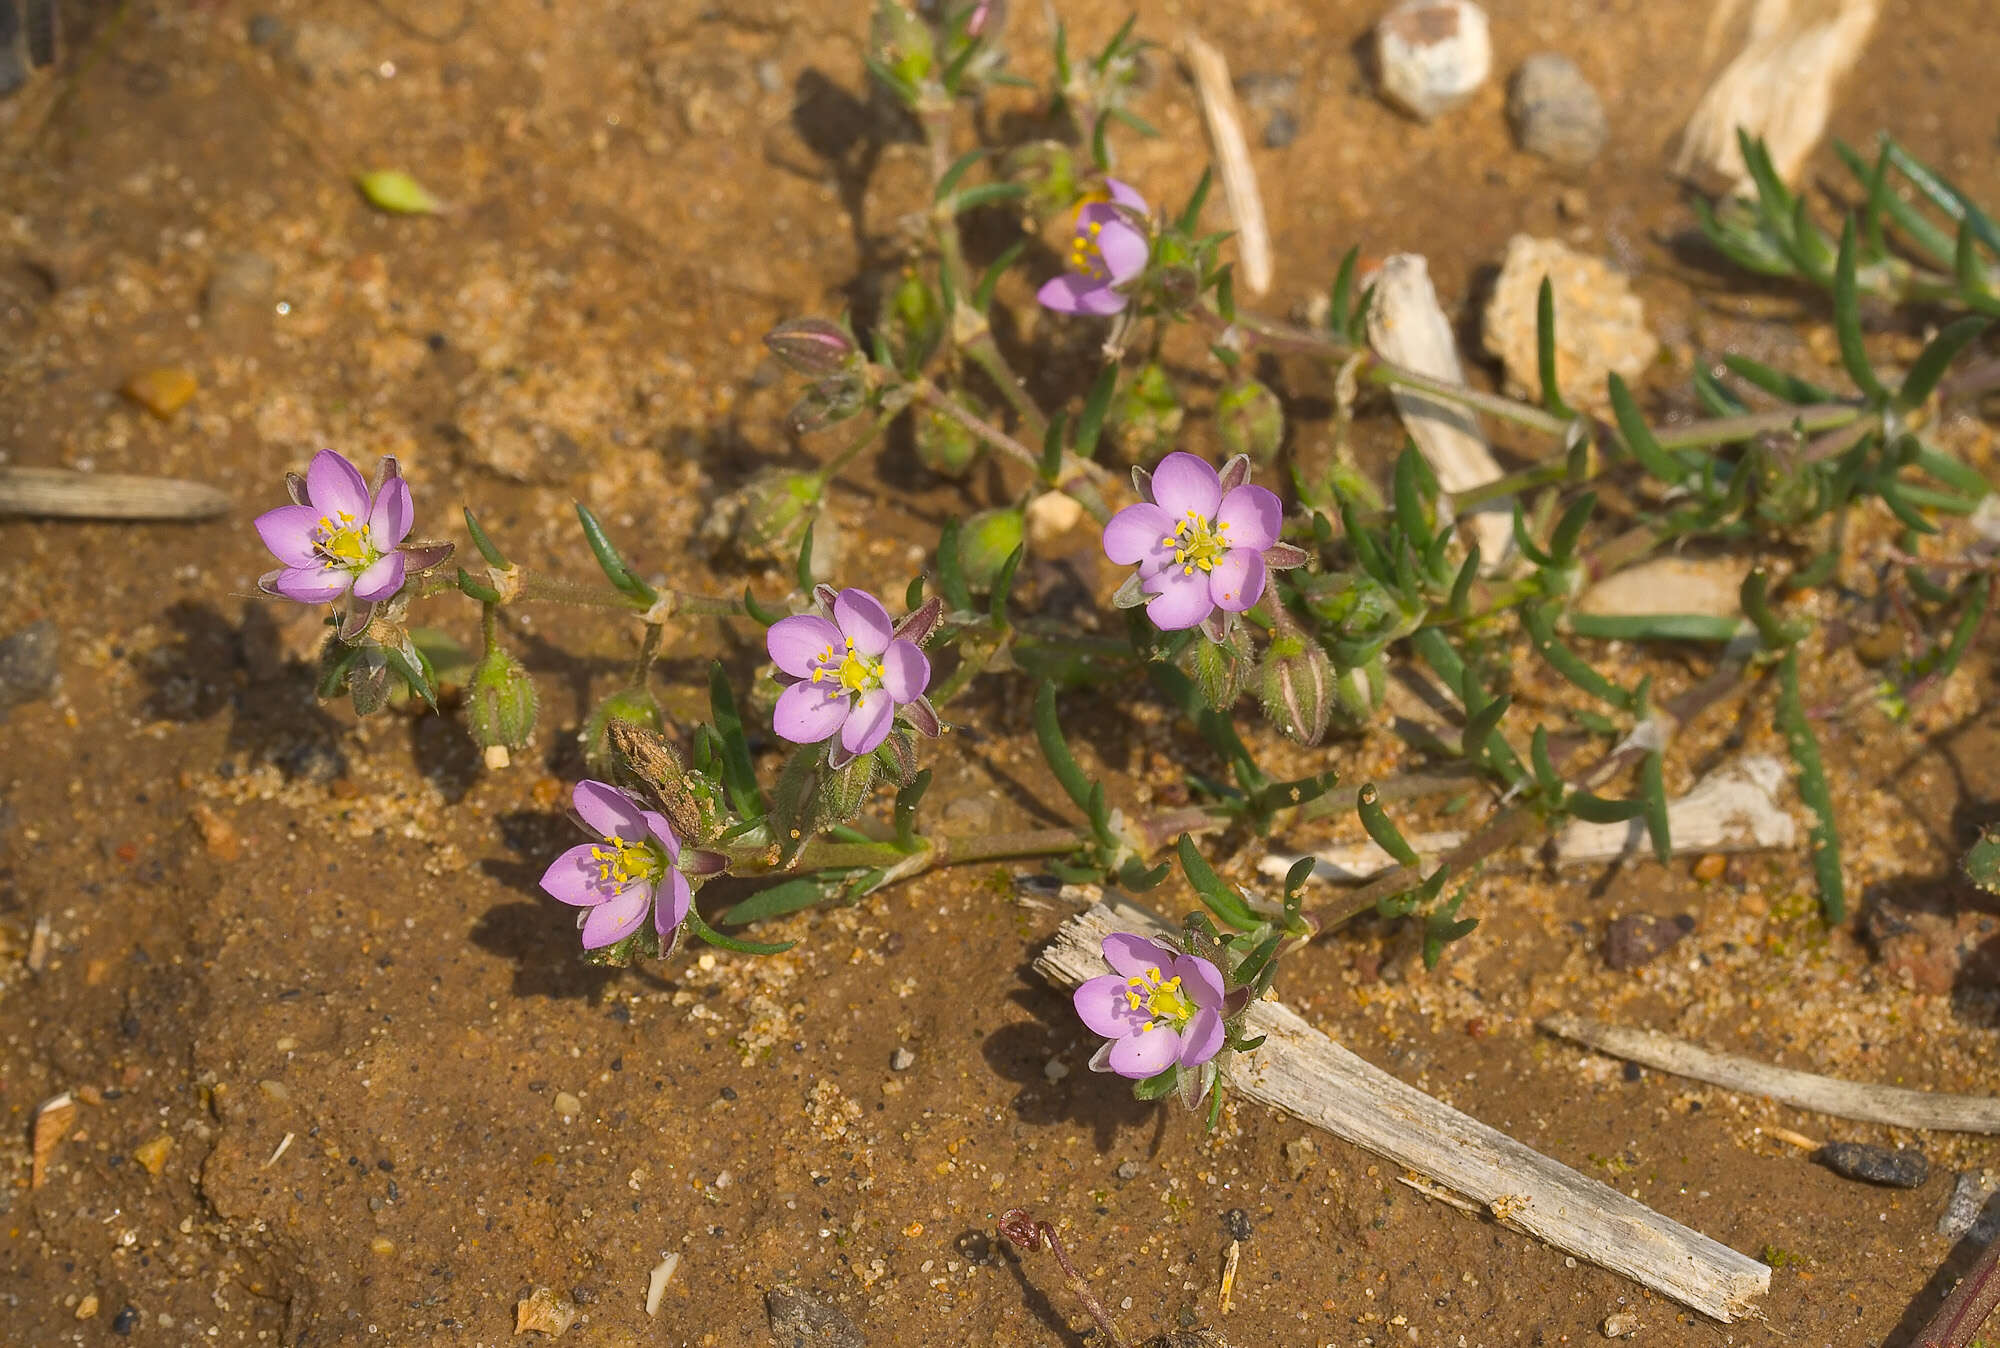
1163, 1001
620, 863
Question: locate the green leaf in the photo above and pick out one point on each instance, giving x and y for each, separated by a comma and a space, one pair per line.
1653, 796
485, 545
1221, 900
989, 280
1824, 835
1982, 862
1716, 400
1157, 1087
1090, 422
608, 559
1368, 804
907, 801
787, 896
804, 563
1638, 436
1191, 214
950, 576
1653, 626
1943, 194
739, 776
398, 193
1337, 310
1598, 810
1936, 358
1003, 585
1411, 516
1569, 529
1545, 351
1048, 734
765, 617
1778, 384
1540, 620
987, 193
1847, 320
409, 665
949, 179
476, 589
715, 938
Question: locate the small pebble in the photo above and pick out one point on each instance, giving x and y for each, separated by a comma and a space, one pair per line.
1055, 1069
1237, 1222
1127, 1170
87, 1307
1300, 1153
162, 391
125, 1321
902, 1060
1906, 1168
544, 1312
1430, 55
799, 1320
1637, 939
28, 664
152, 1153
568, 1105
266, 30
1555, 112
1622, 1325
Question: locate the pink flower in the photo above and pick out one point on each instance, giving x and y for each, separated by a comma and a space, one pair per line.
1202, 540
1106, 251
851, 671
617, 879
1158, 1009
337, 536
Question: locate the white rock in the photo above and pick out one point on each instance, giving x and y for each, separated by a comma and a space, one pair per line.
1600, 324
1431, 54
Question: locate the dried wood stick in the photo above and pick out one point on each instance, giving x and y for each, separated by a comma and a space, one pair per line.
61, 493
1733, 809
1219, 109
1302, 1072
1894, 1105
1408, 327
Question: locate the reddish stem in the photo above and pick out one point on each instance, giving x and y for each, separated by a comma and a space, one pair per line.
1030, 1233
1966, 1309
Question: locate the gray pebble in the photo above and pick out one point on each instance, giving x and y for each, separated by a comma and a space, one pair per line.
1127, 1170
1275, 97
1237, 1222
902, 1060
799, 1320
1281, 130
266, 30
1904, 1169
28, 664
1555, 112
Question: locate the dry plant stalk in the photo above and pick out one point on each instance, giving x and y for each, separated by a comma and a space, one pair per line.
1224, 118
1305, 1074
61, 493
1894, 1105
1779, 87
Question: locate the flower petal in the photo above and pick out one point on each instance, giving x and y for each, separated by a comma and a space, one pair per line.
1132, 955
1104, 1008
1180, 598
1144, 1055
1250, 517
1124, 250
663, 833
922, 717
335, 488
1132, 538
799, 642
389, 522
573, 878
906, 671
868, 725
864, 621
611, 812
313, 584
382, 579
288, 533
1073, 294
618, 918
1124, 195
1201, 978
1184, 484
1201, 1038
809, 712
1238, 580
671, 908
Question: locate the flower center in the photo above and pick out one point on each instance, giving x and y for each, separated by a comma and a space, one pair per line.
853, 671
1161, 999
1085, 256
620, 863
1197, 544
344, 542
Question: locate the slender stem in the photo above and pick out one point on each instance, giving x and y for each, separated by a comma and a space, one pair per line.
1031, 1233
649, 647
1727, 430
985, 430
1966, 1309
846, 456
1378, 371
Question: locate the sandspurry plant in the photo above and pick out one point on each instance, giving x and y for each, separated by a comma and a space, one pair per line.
628, 871
338, 535
1107, 251
850, 672
1297, 591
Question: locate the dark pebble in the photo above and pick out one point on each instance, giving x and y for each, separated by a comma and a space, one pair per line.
1281, 130
1237, 1222
800, 1320
1904, 1169
125, 1321
729, 1092
266, 30
1638, 939
28, 664
1633, 1072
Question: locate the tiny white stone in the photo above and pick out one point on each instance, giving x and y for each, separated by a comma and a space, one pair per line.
1431, 54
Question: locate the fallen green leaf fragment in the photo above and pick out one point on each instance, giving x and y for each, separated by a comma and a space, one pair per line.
398, 193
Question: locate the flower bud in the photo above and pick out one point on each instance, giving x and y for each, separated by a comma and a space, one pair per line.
945, 445
1250, 420
844, 790
832, 400
812, 347
902, 41
500, 706
1218, 668
915, 320
1357, 692
1146, 415
635, 705
1296, 685
985, 543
